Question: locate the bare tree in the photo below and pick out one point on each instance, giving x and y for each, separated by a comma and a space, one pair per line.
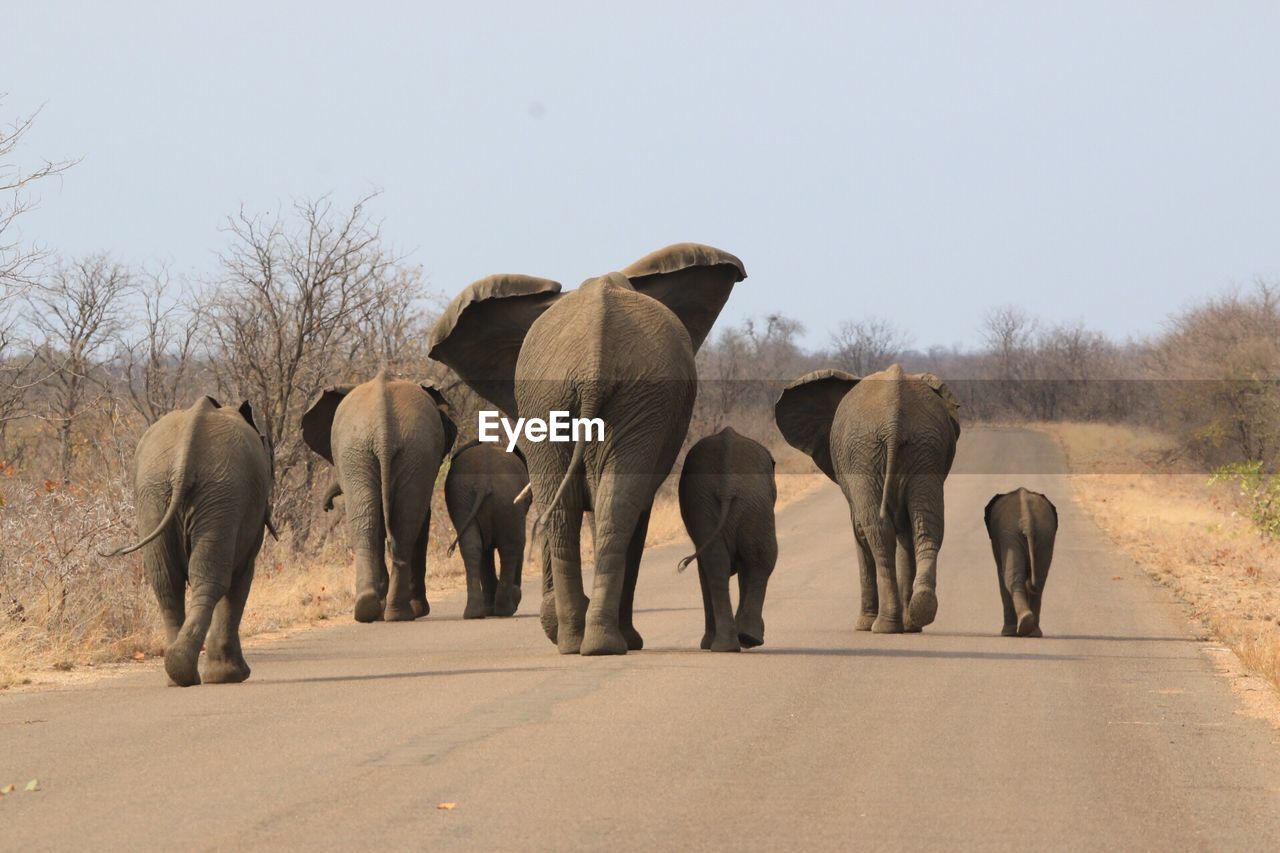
158, 354
301, 303
77, 312
864, 346
17, 259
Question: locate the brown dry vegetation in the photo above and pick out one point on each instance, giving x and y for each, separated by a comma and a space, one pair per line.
1141, 489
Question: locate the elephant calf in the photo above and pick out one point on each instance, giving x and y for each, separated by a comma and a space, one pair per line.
1022, 525
480, 492
202, 483
727, 494
386, 439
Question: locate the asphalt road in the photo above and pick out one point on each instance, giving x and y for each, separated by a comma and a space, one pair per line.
1114, 731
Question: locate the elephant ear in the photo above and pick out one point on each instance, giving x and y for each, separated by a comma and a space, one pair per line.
480, 334
986, 512
953, 403
806, 409
246, 412
317, 422
692, 280
446, 414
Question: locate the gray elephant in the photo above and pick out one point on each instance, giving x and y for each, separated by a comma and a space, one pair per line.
619, 348
1023, 526
888, 440
488, 505
202, 486
386, 439
727, 495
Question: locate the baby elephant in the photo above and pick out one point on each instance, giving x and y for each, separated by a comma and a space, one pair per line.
1022, 525
480, 492
202, 483
727, 493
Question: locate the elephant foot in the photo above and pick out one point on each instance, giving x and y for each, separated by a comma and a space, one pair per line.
1009, 631
865, 621
180, 664
420, 607
568, 641
634, 641
911, 629
706, 641
477, 608
884, 625
368, 607
507, 601
547, 616
225, 671
725, 644
750, 631
750, 642
400, 613
602, 640
1027, 623
924, 607
1036, 632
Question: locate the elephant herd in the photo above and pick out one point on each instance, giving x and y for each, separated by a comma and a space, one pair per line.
621, 348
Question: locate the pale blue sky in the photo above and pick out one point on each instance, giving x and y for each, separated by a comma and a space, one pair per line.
1109, 162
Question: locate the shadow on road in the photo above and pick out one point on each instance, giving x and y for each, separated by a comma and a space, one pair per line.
914, 653
1113, 638
435, 673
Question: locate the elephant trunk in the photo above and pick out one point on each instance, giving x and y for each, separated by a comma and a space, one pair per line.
471, 517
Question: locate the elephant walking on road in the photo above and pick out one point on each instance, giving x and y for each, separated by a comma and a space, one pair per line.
1023, 526
727, 496
888, 440
619, 348
202, 486
480, 491
386, 439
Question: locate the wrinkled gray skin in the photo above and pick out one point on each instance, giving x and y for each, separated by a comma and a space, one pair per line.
620, 347
386, 439
202, 488
888, 441
727, 495
1023, 526
480, 492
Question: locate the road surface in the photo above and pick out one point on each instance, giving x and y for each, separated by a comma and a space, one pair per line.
1111, 732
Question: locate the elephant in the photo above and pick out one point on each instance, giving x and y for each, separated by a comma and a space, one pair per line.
386, 439
1022, 525
619, 348
727, 494
888, 440
202, 486
488, 505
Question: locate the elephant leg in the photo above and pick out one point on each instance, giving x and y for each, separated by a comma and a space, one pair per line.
753, 579
564, 531
709, 617
471, 544
225, 663
210, 566
635, 552
166, 571
906, 565
547, 613
615, 523
418, 578
713, 567
1015, 580
511, 560
870, 605
400, 591
1010, 627
882, 543
925, 512
369, 545
488, 577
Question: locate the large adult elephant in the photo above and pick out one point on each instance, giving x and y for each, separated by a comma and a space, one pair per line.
620, 348
386, 439
202, 487
888, 440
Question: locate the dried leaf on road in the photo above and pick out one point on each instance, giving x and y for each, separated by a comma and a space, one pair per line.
447, 806
7, 789
33, 785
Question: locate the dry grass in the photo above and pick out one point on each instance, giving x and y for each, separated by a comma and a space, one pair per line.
1186, 534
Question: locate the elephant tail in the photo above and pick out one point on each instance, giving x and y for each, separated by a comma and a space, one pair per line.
890, 460
1027, 526
179, 482
575, 462
725, 504
471, 517
385, 454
